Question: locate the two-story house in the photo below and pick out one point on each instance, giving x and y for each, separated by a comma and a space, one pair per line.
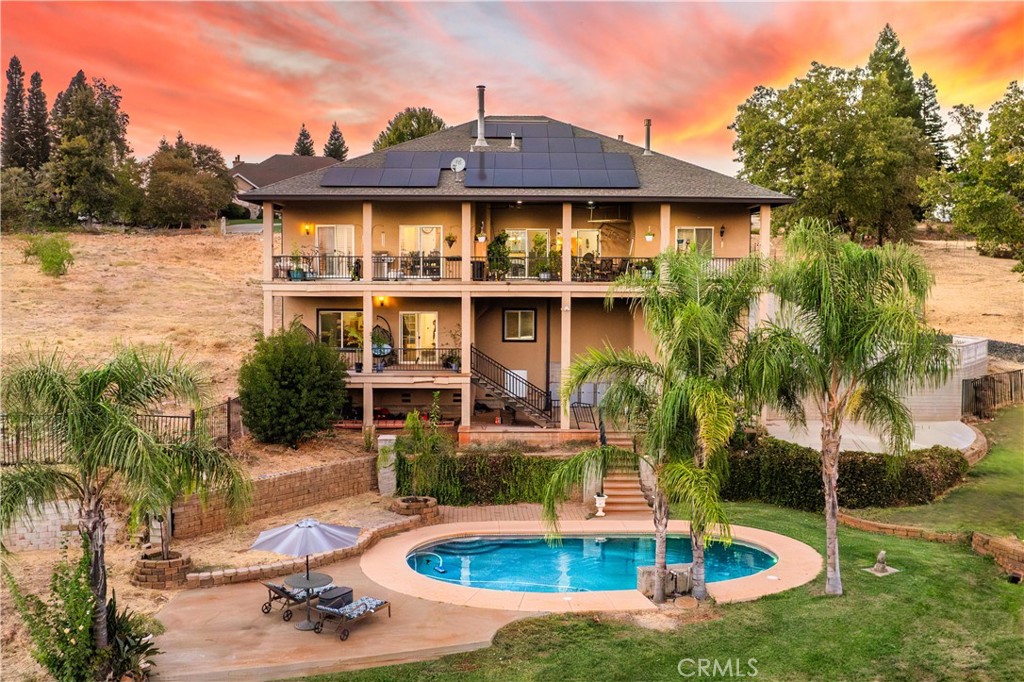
475, 262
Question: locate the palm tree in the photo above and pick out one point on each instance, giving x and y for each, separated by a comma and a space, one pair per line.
106, 447
849, 340
680, 400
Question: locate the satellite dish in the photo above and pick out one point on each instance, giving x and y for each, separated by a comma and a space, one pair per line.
458, 164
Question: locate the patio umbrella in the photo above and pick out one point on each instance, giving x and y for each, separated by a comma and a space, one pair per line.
306, 537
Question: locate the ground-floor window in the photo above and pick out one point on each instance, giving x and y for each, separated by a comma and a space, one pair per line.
520, 325
340, 328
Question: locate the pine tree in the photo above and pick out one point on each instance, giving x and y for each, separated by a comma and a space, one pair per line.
60, 102
890, 58
336, 147
304, 144
13, 150
934, 126
37, 124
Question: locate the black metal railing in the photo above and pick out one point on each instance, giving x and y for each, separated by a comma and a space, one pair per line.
308, 268
415, 266
539, 268
514, 386
353, 359
31, 439
982, 396
420, 360
608, 268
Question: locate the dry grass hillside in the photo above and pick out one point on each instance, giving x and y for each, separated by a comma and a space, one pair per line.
197, 292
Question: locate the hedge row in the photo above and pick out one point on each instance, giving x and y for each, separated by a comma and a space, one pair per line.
789, 475
484, 479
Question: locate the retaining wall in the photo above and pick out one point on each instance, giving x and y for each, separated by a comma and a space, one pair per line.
950, 538
277, 493
1007, 552
57, 523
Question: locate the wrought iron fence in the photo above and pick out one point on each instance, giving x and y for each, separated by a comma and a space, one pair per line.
985, 394
40, 439
416, 266
309, 268
539, 268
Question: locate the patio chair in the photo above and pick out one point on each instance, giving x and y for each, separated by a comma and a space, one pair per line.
346, 615
286, 598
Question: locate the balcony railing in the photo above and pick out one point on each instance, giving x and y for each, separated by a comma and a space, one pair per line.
413, 266
539, 268
308, 268
420, 360
608, 268
353, 359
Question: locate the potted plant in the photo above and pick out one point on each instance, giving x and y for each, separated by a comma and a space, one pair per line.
544, 271
449, 239
499, 260
481, 236
451, 358
298, 271
600, 499
649, 235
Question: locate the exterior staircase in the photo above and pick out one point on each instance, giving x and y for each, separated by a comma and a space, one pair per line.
625, 496
513, 390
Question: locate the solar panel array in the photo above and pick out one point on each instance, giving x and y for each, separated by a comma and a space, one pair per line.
551, 157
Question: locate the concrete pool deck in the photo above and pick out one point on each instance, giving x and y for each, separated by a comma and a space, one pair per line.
385, 563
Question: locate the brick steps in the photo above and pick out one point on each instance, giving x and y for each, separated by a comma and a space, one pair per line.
625, 496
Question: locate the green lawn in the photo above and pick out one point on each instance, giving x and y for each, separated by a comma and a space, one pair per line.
992, 499
948, 615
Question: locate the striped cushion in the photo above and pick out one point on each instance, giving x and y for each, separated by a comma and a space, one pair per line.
355, 609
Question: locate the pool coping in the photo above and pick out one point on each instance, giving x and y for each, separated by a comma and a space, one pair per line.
385, 564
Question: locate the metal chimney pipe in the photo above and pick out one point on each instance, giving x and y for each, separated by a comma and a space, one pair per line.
481, 140
647, 137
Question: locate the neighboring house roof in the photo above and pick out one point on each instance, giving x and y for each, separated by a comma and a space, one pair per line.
279, 167
661, 177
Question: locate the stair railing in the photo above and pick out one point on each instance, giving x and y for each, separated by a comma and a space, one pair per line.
516, 387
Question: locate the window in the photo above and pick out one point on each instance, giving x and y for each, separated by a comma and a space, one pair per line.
340, 328
697, 238
520, 325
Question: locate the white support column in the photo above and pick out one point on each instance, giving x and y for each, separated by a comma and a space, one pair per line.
565, 354
268, 240
466, 418
268, 313
467, 245
665, 234
466, 324
367, 332
567, 242
367, 242
766, 230
367, 405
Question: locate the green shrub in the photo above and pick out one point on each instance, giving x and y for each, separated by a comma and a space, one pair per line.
53, 252
290, 388
131, 642
61, 629
478, 478
789, 475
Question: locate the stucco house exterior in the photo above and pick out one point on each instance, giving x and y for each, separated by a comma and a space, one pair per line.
385, 257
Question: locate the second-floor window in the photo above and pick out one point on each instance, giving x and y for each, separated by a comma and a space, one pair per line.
696, 238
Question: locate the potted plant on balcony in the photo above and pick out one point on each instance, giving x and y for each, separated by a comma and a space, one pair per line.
298, 271
649, 235
499, 260
449, 239
544, 270
452, 356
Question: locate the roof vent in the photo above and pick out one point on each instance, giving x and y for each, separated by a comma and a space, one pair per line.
481, 140
647, 137
621, 137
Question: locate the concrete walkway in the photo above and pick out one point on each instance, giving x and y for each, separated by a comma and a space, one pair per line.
220, 633
857, 436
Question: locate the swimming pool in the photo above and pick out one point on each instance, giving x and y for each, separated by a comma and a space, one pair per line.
576, 564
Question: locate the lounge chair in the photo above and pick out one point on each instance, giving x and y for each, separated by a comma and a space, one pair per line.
286, 598
346, 615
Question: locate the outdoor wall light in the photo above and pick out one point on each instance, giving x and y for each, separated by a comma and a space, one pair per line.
381, 301
721, 232
307, 228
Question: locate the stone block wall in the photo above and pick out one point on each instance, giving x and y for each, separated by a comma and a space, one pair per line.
277, 493
57, 523
1008, 553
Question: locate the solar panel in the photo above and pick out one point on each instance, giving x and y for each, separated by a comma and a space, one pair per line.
479, 177
509, 160
507, 129
536, 160
594, 178
424, 177
426, 160
396, 177
398, 159
446, 158
618, 161
535, 144
565, 178
535, 130
561, 144
623, 178
559, 130
508, 177
590, 161
563, 161
587, 145
480, 160
367, 177
337, 177
536, 177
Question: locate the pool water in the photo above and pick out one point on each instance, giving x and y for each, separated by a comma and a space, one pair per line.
531, 564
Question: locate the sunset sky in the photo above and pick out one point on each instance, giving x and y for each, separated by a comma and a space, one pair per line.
243, 76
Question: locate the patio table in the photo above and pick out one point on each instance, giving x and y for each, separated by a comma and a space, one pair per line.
301, 581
